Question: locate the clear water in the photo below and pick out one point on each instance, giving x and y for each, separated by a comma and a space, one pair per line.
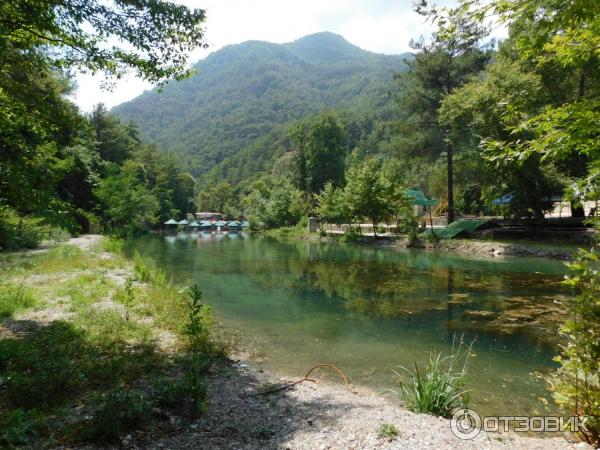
368, 310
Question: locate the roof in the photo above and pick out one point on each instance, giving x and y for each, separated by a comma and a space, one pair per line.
171, 222
416, 197
457, 227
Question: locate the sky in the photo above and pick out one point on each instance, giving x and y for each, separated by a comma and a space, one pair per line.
381, 26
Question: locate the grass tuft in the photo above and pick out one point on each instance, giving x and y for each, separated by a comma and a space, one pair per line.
437, 389
388, 431
14, 297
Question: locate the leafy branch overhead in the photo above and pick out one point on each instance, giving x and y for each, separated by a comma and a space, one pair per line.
151, 37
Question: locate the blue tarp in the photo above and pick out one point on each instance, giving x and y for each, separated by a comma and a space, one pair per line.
504, 200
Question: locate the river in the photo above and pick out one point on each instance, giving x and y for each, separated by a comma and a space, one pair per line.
368, 310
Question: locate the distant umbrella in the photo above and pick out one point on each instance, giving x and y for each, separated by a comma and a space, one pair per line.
194, 224
220, 223
233, 224
183, 222
171, 222
245, 223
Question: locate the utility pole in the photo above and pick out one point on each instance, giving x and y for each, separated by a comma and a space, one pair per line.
449, 152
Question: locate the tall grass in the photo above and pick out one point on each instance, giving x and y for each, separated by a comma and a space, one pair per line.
437, 389
14, 297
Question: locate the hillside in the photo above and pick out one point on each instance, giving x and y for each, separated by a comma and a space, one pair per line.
243, 96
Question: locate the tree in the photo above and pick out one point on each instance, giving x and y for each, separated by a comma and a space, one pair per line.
332, 206
478, 110
216, 198
558, 42
128, 205
447, 61
114, 142
153, 38
273, 203
320, 154
368, 193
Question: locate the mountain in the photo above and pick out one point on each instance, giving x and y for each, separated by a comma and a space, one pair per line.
243, 96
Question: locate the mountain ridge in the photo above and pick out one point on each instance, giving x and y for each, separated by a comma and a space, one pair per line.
243, 92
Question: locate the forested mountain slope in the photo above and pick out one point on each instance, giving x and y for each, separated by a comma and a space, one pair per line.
243, 96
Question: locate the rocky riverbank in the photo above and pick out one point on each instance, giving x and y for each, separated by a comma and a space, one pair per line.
474, 247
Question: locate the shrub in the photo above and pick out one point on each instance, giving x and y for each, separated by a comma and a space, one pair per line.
112, 244
21, 429
438, 389
57, 235
116, 412
198, 334
576, 383
431, 238
19, 232
171, 393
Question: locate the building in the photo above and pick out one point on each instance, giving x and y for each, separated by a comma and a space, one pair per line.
209, 216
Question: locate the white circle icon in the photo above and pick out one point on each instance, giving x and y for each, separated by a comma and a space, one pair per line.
465, 423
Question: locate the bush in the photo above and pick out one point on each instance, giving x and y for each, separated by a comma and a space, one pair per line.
197, 330
19, 232
438, 389
116, 412
431, 238
20, 429
113, 244
576, 384
57, 235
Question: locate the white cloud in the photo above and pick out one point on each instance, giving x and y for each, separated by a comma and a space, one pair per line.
382, 26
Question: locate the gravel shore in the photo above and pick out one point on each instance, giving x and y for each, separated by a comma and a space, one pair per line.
315, 416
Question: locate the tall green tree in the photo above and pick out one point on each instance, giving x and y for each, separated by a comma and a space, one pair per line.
114, 142
128, 204
446, 61
320, 154
369, 193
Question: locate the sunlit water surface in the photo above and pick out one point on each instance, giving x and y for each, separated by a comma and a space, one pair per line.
368, 310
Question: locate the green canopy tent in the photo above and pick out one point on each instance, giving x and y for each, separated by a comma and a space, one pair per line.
416, 197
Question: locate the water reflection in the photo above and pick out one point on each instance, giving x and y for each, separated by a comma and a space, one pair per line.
368, 309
